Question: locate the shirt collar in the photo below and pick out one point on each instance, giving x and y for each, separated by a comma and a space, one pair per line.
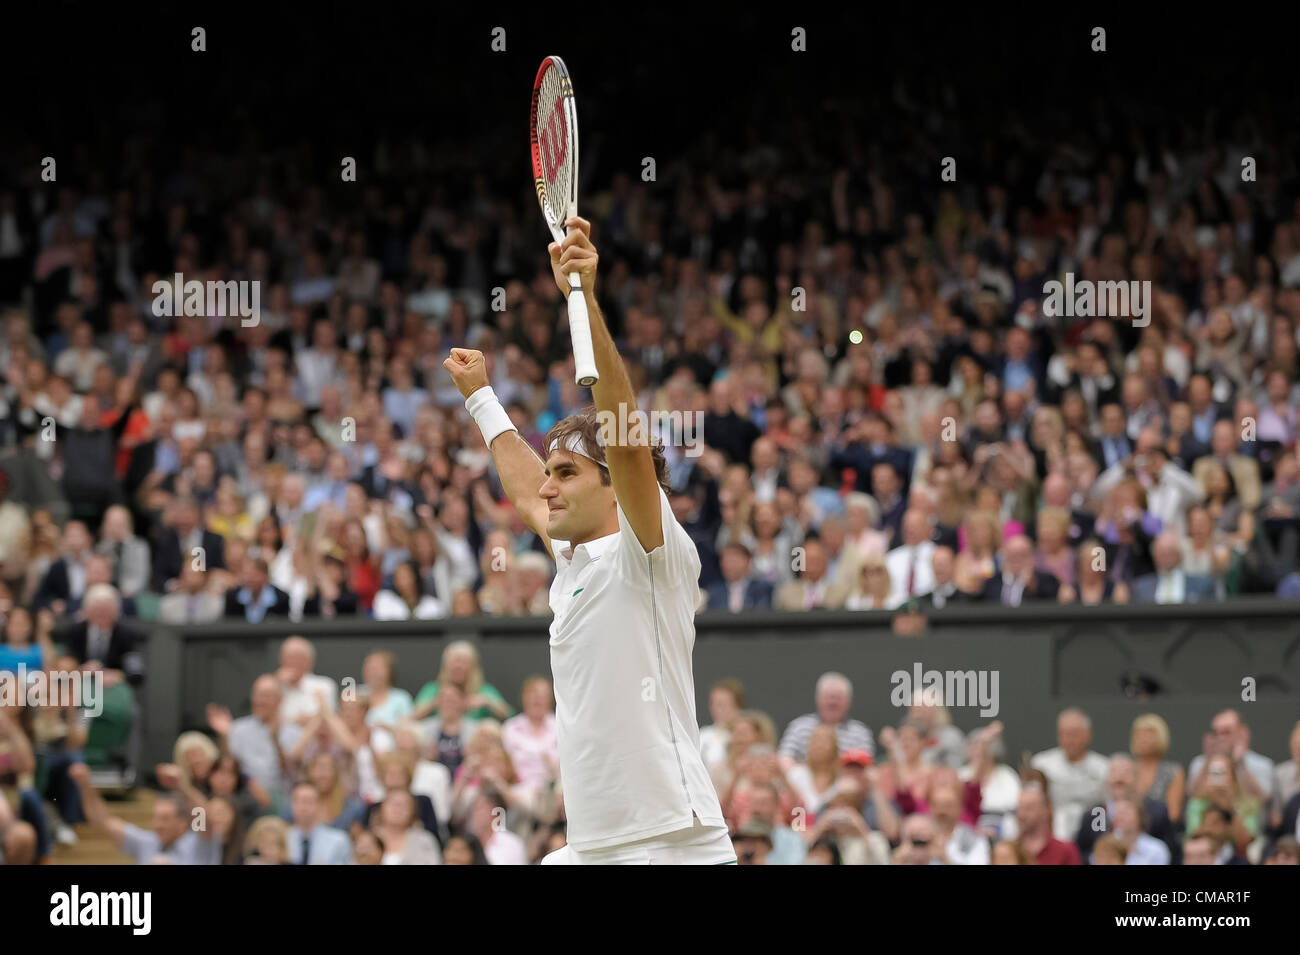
592, 549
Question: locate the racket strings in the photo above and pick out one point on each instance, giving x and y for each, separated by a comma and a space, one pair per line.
553, 145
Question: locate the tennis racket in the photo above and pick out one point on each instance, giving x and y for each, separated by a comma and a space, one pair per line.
554, 139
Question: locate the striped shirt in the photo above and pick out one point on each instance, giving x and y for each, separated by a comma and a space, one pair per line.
851, 735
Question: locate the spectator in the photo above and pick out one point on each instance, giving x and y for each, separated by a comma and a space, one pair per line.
726, 701
529, 737
738, 591
1158, 778
833, 698
192, 602
1230, 736
911, 564
389, 704
171, 839
311, 840
1034, 819
404, 840
256, 598
1077, 775
1170, 584
1020, 580
461, 668
405, 600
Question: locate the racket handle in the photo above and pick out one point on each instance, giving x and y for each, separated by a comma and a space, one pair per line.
584, 355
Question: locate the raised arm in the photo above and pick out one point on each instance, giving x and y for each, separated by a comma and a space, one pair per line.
631, 465
521, 470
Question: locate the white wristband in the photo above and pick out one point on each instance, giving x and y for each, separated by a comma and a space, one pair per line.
487, 412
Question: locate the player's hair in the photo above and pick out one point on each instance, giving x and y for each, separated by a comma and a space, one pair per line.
586, 424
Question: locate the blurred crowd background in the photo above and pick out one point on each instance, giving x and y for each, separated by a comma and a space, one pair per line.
961, 446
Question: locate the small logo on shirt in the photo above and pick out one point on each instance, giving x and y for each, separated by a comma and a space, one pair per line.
578, 591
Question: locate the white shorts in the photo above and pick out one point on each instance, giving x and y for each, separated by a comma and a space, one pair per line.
699, 845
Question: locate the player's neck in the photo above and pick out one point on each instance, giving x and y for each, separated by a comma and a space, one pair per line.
609, 527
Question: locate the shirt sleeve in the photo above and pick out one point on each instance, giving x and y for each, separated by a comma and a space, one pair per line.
676, 561
138, 844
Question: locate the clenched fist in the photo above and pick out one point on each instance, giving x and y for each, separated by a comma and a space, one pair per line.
468, 369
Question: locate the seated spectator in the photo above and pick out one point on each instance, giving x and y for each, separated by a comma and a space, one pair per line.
405, 599
738, 590
1221, 795
305, 692
529, 737
1077, 775
1158, 778
1018, 580
183, 540
388, 704
500, 845
833, 698
192, 601
919, 844
367, 847
1093, 587
962, 845
1170, 584
1121, 786
1230, 736
22, 643
460, 667
340, 805
428, 777
256, 598
100, 642
814, 781
1286, 778
267, 842
311, 840
257, 740
398, 827
911, 564
726, 701
1008, 852
463, 849
1034, 821
131, 560
64, 582
873, 589
999, 785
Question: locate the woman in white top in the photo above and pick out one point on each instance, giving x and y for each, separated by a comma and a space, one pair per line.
815, 780
406, 600
999, 784
428, 778
726, 700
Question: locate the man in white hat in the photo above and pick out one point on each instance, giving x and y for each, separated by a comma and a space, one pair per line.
635, 788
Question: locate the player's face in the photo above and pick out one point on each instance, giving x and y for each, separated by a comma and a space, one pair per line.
579, 503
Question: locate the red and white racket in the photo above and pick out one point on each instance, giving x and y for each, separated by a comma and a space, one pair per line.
554, 138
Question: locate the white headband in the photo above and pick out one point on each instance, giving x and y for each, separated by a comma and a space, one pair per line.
575, 444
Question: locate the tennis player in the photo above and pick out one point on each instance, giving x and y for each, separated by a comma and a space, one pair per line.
635, 788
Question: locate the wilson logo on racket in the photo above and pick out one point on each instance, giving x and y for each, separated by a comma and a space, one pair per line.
554, 142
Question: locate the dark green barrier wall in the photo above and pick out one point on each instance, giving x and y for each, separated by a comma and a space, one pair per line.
1046, 658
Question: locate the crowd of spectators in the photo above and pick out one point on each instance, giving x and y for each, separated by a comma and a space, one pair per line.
960, 445
315, 775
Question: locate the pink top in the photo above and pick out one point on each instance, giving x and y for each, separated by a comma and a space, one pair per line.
529, 745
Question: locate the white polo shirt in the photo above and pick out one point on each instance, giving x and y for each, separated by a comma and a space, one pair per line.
621, 645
